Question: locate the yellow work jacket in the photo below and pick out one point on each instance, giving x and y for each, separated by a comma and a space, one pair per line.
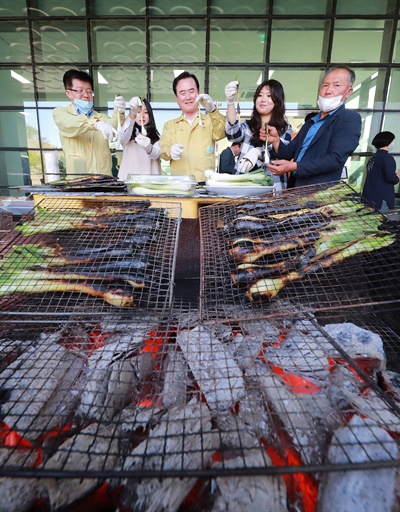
198, 143
85, 149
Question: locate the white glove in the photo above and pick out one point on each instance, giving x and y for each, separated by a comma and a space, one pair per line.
106, 129
206, 101
144, 142
176, 151
249, 160
231, 91
135, 105
119, 104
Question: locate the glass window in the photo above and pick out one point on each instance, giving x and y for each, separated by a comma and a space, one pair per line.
50, 85
124, 7
16, 85
369, 128
19, 128
14, 42
309, 37
246, 41
52, 8
363, 7
248, 79
160, 7
396, 50
363, 37
356, 170
14, 8
119, 41
15, 167
300, 86
393, 99
368, 89
112, 80
304, 7
229, 7
60, 41
178, 41
391, 124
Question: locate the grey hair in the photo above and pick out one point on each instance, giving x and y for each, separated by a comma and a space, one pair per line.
352, 75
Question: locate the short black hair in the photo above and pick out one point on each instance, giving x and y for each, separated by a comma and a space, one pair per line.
182, 76
236, 144
72, 74
382, 139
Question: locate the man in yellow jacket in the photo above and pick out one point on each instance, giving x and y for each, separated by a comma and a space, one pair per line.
85, 133
188, 141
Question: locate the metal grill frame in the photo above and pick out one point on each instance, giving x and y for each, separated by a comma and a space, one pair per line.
157, 296
355, 282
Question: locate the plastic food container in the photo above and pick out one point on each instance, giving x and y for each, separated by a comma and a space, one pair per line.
155, 185
18, 206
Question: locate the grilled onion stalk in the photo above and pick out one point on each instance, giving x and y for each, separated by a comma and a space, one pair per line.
266, 289
335, 234
18, 275
47, 257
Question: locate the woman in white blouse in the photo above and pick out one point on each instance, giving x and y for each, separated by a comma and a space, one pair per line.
140, 141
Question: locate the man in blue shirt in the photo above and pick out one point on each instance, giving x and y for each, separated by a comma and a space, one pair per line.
324, 143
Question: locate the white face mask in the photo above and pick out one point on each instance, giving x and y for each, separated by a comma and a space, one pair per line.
329, 104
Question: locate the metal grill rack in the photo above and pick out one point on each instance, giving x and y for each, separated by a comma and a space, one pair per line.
277, 238
157, 409
72, 258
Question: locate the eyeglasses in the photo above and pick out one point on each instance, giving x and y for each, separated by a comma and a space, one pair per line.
81, 92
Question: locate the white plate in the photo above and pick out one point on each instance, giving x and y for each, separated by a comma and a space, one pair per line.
238, 191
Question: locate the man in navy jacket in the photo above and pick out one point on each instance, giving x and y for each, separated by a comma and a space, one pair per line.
320, 150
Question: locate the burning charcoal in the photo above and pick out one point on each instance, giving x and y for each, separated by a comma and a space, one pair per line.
250, 493
40, 388
135, 418
302, 352
94, 449
190, 445
176, 380
357, 342
372, 406
19, 494
10, 350
109, 387
246, 347
215, 371
390, 381
307, 418
360, 490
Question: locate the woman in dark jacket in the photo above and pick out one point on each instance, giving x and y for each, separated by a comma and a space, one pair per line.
381, 174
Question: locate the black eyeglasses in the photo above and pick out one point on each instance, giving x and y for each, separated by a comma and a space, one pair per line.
81, 92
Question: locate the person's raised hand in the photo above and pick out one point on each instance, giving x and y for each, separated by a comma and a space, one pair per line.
231, 91
135, 104
206, 101
119, 104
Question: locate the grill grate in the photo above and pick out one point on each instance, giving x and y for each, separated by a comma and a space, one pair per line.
124, 404
73, 259
278, 239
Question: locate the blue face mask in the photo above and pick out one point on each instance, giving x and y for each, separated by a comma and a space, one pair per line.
84, 106
391, 147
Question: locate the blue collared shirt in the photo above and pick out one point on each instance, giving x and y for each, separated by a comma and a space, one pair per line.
90, 113
312, 132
